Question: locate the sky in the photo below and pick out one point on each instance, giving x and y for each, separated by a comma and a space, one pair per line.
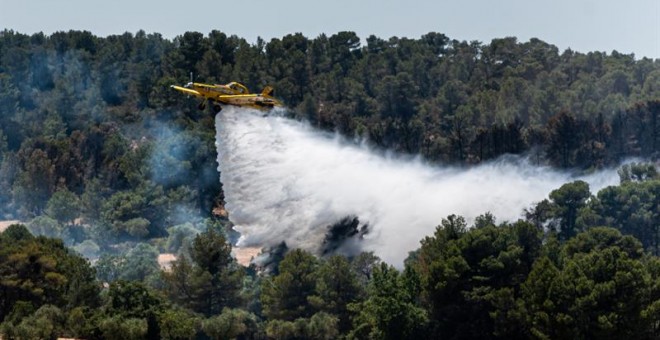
631, 26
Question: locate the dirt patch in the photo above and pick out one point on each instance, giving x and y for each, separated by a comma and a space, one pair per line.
165, 261
245, 255
5, 224
220, 211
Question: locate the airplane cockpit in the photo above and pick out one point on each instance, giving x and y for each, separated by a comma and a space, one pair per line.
239, 88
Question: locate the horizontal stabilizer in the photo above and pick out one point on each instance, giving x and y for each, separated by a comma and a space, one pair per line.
268, 91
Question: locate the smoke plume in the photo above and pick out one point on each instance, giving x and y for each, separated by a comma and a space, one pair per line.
286, 181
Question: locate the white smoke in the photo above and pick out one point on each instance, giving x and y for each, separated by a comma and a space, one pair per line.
285, 181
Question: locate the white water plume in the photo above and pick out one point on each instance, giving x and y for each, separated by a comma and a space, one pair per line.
286, 181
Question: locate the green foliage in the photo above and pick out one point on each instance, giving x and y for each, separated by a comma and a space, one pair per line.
567, 201
598, 284
209, 281
36, 183
47, 226
64, 206
601, 294
88, 249
363, 265
602, 238
565, 139
231, 324
285, 295
109, 267
484, 220
187, 284
211, 251
46, 323
337, 286
178, 324
535, 293
319, 326
90, 128
638, 172
123, 211
600, 289
141, 262
91, 200
389, 312
565, 212
3, 145
116, 328
464, 275
446, 99
129, 299
212, 254
42, 271
78, 322
16, 232
632, 208
180, 236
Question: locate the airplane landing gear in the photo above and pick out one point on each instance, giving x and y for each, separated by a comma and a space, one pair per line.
217, 108
201, 106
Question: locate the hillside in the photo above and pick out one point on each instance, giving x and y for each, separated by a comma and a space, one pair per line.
103, 161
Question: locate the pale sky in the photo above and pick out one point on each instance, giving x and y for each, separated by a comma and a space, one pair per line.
631, 26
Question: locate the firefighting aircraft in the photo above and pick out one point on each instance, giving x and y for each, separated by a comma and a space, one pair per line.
230, 94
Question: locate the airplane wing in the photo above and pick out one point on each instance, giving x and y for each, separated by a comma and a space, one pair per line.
234, 99
250, 100
187, 91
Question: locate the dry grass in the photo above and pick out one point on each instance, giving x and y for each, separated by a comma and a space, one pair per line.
245, 255
165, 261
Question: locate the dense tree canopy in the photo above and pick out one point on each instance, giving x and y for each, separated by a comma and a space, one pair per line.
98, 153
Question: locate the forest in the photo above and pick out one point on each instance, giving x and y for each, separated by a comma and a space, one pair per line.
103, 167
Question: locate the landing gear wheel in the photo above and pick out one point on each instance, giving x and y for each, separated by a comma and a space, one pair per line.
201, 106
217, 108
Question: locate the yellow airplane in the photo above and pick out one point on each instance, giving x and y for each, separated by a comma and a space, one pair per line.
230, 94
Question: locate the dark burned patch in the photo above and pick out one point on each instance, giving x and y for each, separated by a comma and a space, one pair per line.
269, 260
345, 230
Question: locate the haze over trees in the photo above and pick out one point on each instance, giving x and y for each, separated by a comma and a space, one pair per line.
95, 116
101, 158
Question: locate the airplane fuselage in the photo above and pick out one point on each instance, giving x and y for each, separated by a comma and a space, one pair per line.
231, 94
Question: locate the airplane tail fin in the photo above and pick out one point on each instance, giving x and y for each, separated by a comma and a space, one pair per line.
268, 91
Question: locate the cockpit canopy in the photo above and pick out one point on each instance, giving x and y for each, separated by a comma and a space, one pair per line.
239, 88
